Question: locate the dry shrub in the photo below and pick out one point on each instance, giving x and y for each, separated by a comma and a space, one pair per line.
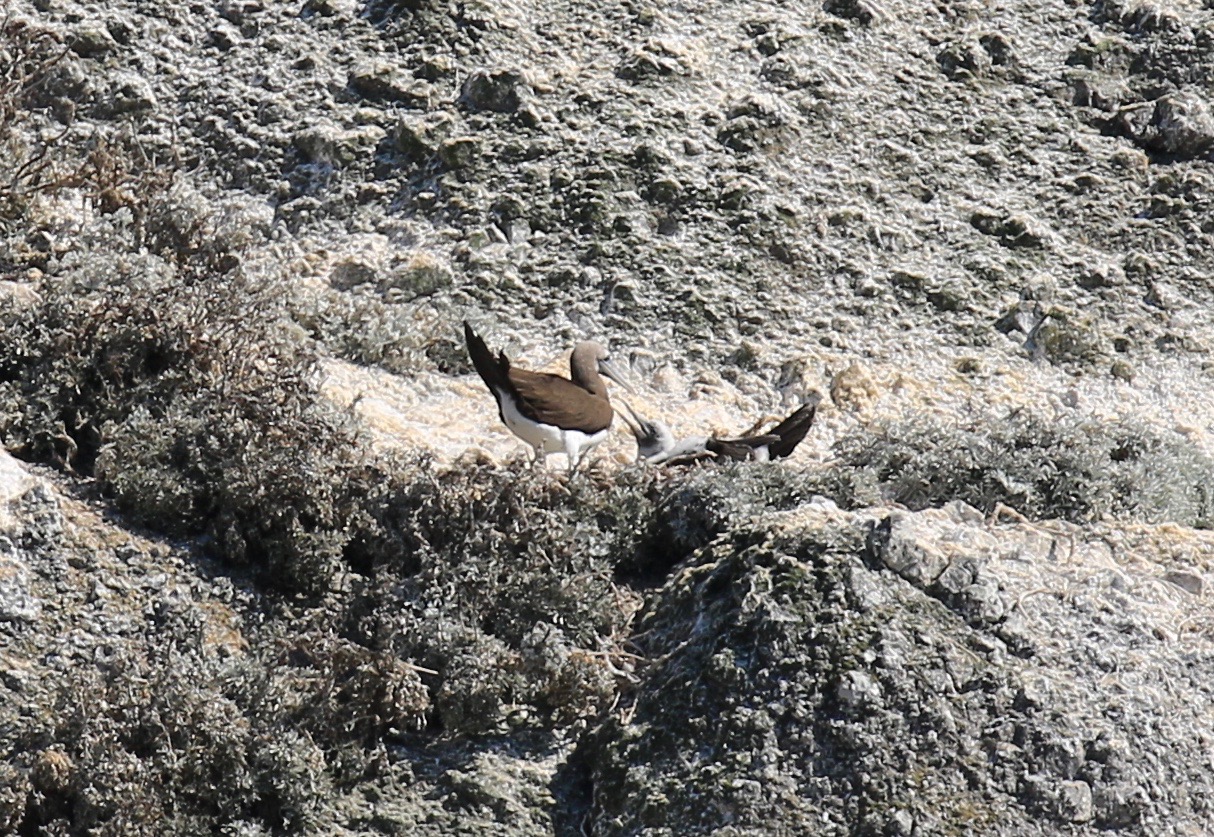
193, 404
29, 162
502, 583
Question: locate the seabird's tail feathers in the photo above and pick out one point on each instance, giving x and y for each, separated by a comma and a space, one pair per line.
494, 371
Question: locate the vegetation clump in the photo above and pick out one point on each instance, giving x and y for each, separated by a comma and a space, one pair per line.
502, 584
1072, 469
183, 393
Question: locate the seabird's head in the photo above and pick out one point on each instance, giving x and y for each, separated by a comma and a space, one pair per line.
590, 356
653, 437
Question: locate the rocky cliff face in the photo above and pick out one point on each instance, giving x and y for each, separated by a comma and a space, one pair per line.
269, 563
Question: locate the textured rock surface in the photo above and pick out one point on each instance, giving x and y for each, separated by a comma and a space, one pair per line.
946, 216
797, 685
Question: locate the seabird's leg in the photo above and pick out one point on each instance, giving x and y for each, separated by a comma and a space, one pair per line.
572, 450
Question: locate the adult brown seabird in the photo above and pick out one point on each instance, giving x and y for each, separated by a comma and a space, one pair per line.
657, 445
548, 412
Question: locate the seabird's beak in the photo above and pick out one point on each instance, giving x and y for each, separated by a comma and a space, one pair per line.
634, 423
646, 433
610, 370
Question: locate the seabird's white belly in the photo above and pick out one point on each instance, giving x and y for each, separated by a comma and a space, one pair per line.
547, 438
668, 449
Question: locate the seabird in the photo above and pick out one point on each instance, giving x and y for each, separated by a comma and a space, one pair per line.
550, 413
656, 443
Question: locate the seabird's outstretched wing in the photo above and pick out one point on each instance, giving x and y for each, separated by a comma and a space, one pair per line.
794, 428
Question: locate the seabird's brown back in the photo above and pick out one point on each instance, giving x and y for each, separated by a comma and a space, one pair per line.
551, 399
